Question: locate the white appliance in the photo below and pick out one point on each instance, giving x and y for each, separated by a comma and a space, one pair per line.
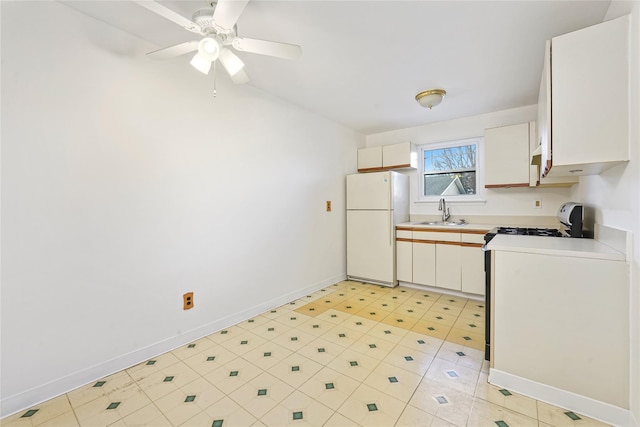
376, 202
571, 216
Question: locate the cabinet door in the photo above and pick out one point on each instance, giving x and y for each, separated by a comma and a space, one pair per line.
473, 278
586, 137
448, 266
544, 114
527, 309
424, 263
404, 261
535, 147
369, 159
397, 156
507, 156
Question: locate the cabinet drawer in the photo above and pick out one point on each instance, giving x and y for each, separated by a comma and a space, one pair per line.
472, 238
404, 234
436, 236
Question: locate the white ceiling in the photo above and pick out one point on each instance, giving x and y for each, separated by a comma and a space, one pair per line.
364, 61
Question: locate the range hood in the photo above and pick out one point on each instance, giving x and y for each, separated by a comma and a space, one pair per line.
536, 156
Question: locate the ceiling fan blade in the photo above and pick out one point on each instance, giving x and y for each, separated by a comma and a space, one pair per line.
173, 51
231, 62
227, 13
240, 77
169, 14
265, 47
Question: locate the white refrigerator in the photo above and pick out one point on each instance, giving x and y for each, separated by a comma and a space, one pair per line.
376, 202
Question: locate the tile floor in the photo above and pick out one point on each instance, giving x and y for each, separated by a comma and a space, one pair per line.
352, 354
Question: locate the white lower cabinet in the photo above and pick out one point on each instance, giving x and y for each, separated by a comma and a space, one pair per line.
545, 331
448, 260
472, 260
448, 266
404, 256
424, 263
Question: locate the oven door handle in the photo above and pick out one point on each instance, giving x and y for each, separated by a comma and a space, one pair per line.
484, 248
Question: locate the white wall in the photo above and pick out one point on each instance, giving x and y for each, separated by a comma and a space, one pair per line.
613, 198
498, 202
126, 184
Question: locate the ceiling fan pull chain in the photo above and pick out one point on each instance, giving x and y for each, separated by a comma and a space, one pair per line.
215, 75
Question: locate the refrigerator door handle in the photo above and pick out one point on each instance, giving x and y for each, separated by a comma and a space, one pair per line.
389, 210
390, 228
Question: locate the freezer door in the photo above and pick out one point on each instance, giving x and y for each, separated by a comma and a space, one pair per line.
369, 190
371, 246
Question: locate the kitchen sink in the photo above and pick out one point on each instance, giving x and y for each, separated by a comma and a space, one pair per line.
460, 222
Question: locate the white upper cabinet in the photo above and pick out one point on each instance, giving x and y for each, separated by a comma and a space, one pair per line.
387, 157
399, 156
583, 114
507, 156
507, 159
370, 159
535, 178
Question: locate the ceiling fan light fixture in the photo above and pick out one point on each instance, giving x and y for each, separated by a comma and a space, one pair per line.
201, 63
217, 32
430, 98
209, 48
231, 62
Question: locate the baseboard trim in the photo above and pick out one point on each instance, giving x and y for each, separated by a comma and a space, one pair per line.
34, 396
592, 408
475, 297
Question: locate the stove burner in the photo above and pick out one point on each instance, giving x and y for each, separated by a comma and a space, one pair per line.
522, 231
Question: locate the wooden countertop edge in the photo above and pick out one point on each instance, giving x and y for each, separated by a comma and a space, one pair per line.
440, 242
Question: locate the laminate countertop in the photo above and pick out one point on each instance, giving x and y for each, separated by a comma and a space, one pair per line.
559, 246
471, 227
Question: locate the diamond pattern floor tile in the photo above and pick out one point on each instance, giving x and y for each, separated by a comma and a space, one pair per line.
351, 354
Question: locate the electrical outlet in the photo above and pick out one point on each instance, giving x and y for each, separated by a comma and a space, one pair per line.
187, 301
537, 204
328, 205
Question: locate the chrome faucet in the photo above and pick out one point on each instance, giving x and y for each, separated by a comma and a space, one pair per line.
442, 206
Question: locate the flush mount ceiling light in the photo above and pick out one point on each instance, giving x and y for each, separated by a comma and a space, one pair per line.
430, 98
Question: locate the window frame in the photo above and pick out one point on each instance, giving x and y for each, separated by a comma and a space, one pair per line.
464, 198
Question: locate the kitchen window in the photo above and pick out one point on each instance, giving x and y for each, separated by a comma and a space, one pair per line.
449, 170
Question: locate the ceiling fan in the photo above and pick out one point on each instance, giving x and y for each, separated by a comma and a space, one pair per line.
217, 26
